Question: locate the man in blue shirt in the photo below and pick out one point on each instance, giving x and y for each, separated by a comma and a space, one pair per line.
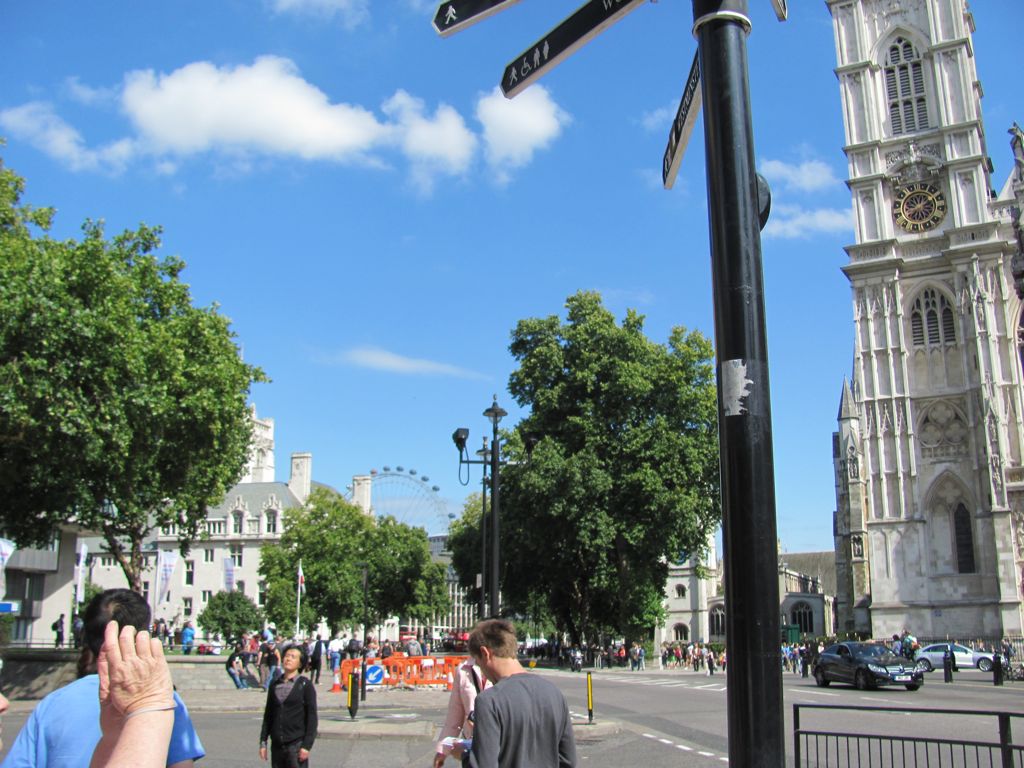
188, 636
64, 728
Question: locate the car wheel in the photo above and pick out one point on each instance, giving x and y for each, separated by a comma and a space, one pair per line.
820, 679
985, 665
913, 686
924, 665
861, 680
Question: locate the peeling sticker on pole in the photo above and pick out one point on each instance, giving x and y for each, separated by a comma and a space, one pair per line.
736, 387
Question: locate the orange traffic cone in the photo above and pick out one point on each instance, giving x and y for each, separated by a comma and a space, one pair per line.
336, 688
451, 681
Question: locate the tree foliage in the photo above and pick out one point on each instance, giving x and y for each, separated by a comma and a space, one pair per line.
333, 539
624, 476
122, 406
229, 614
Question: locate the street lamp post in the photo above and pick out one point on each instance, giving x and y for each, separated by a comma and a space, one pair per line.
493, 458
362, 666
483, 453
495, 413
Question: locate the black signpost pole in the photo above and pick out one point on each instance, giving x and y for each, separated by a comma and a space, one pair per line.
748, 490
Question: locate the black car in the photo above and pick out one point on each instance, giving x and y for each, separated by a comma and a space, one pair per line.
865, 665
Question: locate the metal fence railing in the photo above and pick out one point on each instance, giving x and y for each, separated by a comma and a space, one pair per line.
912, 746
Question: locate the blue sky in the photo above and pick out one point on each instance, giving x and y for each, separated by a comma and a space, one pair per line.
375, 218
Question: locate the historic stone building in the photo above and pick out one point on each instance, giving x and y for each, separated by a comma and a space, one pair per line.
929, 533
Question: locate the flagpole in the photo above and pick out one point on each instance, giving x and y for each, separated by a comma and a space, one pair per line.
298, 600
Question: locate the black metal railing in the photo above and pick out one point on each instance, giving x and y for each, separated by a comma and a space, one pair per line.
819, 748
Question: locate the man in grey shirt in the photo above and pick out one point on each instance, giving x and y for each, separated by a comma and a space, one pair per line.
523, 721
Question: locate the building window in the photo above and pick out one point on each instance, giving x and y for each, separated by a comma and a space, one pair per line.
271, 521
680, 590
681, 633
803, 617
253, 526
904, 88
107, 561
261, 594
190, 573
145, 591
208, 555
187, 606
238, 519
207, 594
236, 554
932, 322
169, 530
716, 617
240, 586
215, 527
964, 540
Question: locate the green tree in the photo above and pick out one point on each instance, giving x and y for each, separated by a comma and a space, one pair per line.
624, 477
229, 614
122, 406
334, 539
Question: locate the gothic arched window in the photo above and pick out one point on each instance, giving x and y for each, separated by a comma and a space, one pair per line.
963, 539
803, 616
716, 617
904, 88
932, 323
681, 633
680, 590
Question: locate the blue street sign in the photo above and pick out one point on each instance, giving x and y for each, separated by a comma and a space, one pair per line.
374, 675
10, 606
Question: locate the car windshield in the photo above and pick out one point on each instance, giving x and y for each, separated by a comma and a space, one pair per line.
873, 651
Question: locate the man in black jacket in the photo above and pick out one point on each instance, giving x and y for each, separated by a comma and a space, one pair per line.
290, 718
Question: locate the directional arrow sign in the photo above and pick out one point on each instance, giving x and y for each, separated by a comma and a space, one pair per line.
682, 126
10, 606
456, 15
573, 33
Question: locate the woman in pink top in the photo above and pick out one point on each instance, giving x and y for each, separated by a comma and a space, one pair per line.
468, 682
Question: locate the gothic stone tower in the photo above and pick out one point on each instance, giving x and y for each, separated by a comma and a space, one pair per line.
928, 454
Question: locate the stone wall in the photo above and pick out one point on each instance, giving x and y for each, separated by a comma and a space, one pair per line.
31, 673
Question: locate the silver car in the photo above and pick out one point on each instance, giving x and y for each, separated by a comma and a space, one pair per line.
930, 657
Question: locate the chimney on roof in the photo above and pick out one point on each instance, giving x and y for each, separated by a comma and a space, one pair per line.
301, 478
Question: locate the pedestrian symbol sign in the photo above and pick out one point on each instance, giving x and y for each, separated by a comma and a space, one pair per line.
455, 15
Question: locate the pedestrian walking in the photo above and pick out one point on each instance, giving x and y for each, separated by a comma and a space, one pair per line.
467, 683
188, 636
58, 632
290, 717
523, 721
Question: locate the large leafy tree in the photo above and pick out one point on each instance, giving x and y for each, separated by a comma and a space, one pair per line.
623, 478
229, 614
122, 406
334, 539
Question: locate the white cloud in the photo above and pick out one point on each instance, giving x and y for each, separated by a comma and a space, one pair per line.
793, 221
516, 128
378, 359
87, 95
433, 145
351, 12
808, 176
659, 120
266, 107
38, 124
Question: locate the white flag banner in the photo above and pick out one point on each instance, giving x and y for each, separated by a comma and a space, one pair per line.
7, 548
83, 551
229, 574
166, 562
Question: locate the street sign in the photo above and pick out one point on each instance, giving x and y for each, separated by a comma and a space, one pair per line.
456, 15
781, 8
576, 31
682, 126
10, 606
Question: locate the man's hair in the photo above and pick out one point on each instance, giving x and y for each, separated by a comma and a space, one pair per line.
125, 607
497, 635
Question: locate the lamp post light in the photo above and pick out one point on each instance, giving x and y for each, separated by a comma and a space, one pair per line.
493, 458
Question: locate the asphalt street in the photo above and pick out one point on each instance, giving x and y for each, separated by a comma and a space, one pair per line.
652, 718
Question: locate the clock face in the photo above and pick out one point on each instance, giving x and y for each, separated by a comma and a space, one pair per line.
919, 206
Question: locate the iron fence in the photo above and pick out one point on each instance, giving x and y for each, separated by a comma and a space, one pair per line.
819, 748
